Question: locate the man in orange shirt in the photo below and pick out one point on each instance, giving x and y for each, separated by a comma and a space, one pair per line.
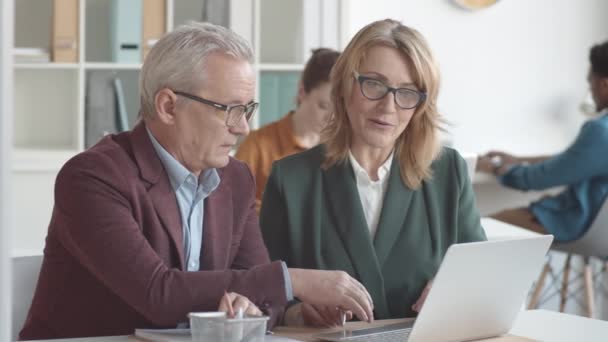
297, 131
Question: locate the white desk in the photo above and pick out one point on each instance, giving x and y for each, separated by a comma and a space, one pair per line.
540, 325
497, 230
550, 326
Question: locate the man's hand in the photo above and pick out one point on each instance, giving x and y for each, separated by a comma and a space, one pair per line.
485, 165
420, 302
232, 302
334, 289
496, 162
323, 316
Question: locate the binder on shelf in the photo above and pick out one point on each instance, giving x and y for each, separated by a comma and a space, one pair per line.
105, 108
216, 12
154, 25
288, 90
269, 94
65, 31
278, 91
31, 55
122, 118
126, 31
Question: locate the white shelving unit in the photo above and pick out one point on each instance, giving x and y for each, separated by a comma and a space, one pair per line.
50, 98
6, 212
111, 66
55, 66
280, 67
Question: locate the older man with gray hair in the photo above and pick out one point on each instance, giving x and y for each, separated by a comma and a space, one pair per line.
154, 223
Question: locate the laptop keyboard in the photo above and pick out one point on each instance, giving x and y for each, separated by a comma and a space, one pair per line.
389, 336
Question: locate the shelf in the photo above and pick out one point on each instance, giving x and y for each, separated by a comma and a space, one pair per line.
47, 109
71, 66
33, 21
40, 160
112, 66
23, 252
46, 66
280, 67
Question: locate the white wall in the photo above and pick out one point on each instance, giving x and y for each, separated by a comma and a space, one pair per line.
6, 125
513, 74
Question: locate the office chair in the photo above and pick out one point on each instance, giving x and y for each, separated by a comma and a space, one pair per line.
25, 277
594, 244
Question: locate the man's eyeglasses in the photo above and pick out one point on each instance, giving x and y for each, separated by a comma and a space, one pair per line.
375, 90
234, 113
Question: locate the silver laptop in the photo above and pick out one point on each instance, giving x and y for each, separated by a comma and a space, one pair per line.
477, 293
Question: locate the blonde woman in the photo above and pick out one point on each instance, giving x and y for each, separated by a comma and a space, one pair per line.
379, 199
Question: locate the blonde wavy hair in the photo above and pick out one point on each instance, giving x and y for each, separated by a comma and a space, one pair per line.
418, 146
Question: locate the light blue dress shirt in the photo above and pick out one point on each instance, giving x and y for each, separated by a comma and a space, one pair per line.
191, 193
582, 168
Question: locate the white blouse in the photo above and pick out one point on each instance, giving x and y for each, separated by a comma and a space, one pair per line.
371, 193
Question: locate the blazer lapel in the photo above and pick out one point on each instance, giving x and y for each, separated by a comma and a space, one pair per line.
167, 210
160, 190
217, 227
347, 213
394, 210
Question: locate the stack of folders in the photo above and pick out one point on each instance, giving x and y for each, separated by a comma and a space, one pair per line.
65, 31
31, 55
137, 25
153, 23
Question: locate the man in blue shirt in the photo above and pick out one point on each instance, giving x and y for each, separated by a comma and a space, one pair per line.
582, 168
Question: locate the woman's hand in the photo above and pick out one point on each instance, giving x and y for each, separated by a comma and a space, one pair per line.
420, 302
324, 316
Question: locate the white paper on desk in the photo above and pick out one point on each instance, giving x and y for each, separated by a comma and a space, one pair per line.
164, 335
183, 335
274, 338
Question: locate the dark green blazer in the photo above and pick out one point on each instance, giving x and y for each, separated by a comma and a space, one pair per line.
313, 218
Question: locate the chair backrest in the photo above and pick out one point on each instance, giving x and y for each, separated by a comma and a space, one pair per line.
25, 277
595, 241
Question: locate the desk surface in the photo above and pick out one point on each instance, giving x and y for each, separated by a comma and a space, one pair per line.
308, 334
551, 326
539, 325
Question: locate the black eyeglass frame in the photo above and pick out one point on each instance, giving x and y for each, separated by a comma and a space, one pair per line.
360, 79
249, 109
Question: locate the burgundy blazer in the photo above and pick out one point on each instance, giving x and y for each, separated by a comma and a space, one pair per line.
114, 256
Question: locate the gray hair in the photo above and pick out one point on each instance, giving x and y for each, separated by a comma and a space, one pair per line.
177, 60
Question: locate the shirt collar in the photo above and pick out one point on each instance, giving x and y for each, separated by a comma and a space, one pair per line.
383, 171
209, 179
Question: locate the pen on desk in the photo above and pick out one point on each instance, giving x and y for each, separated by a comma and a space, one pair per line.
343, 321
